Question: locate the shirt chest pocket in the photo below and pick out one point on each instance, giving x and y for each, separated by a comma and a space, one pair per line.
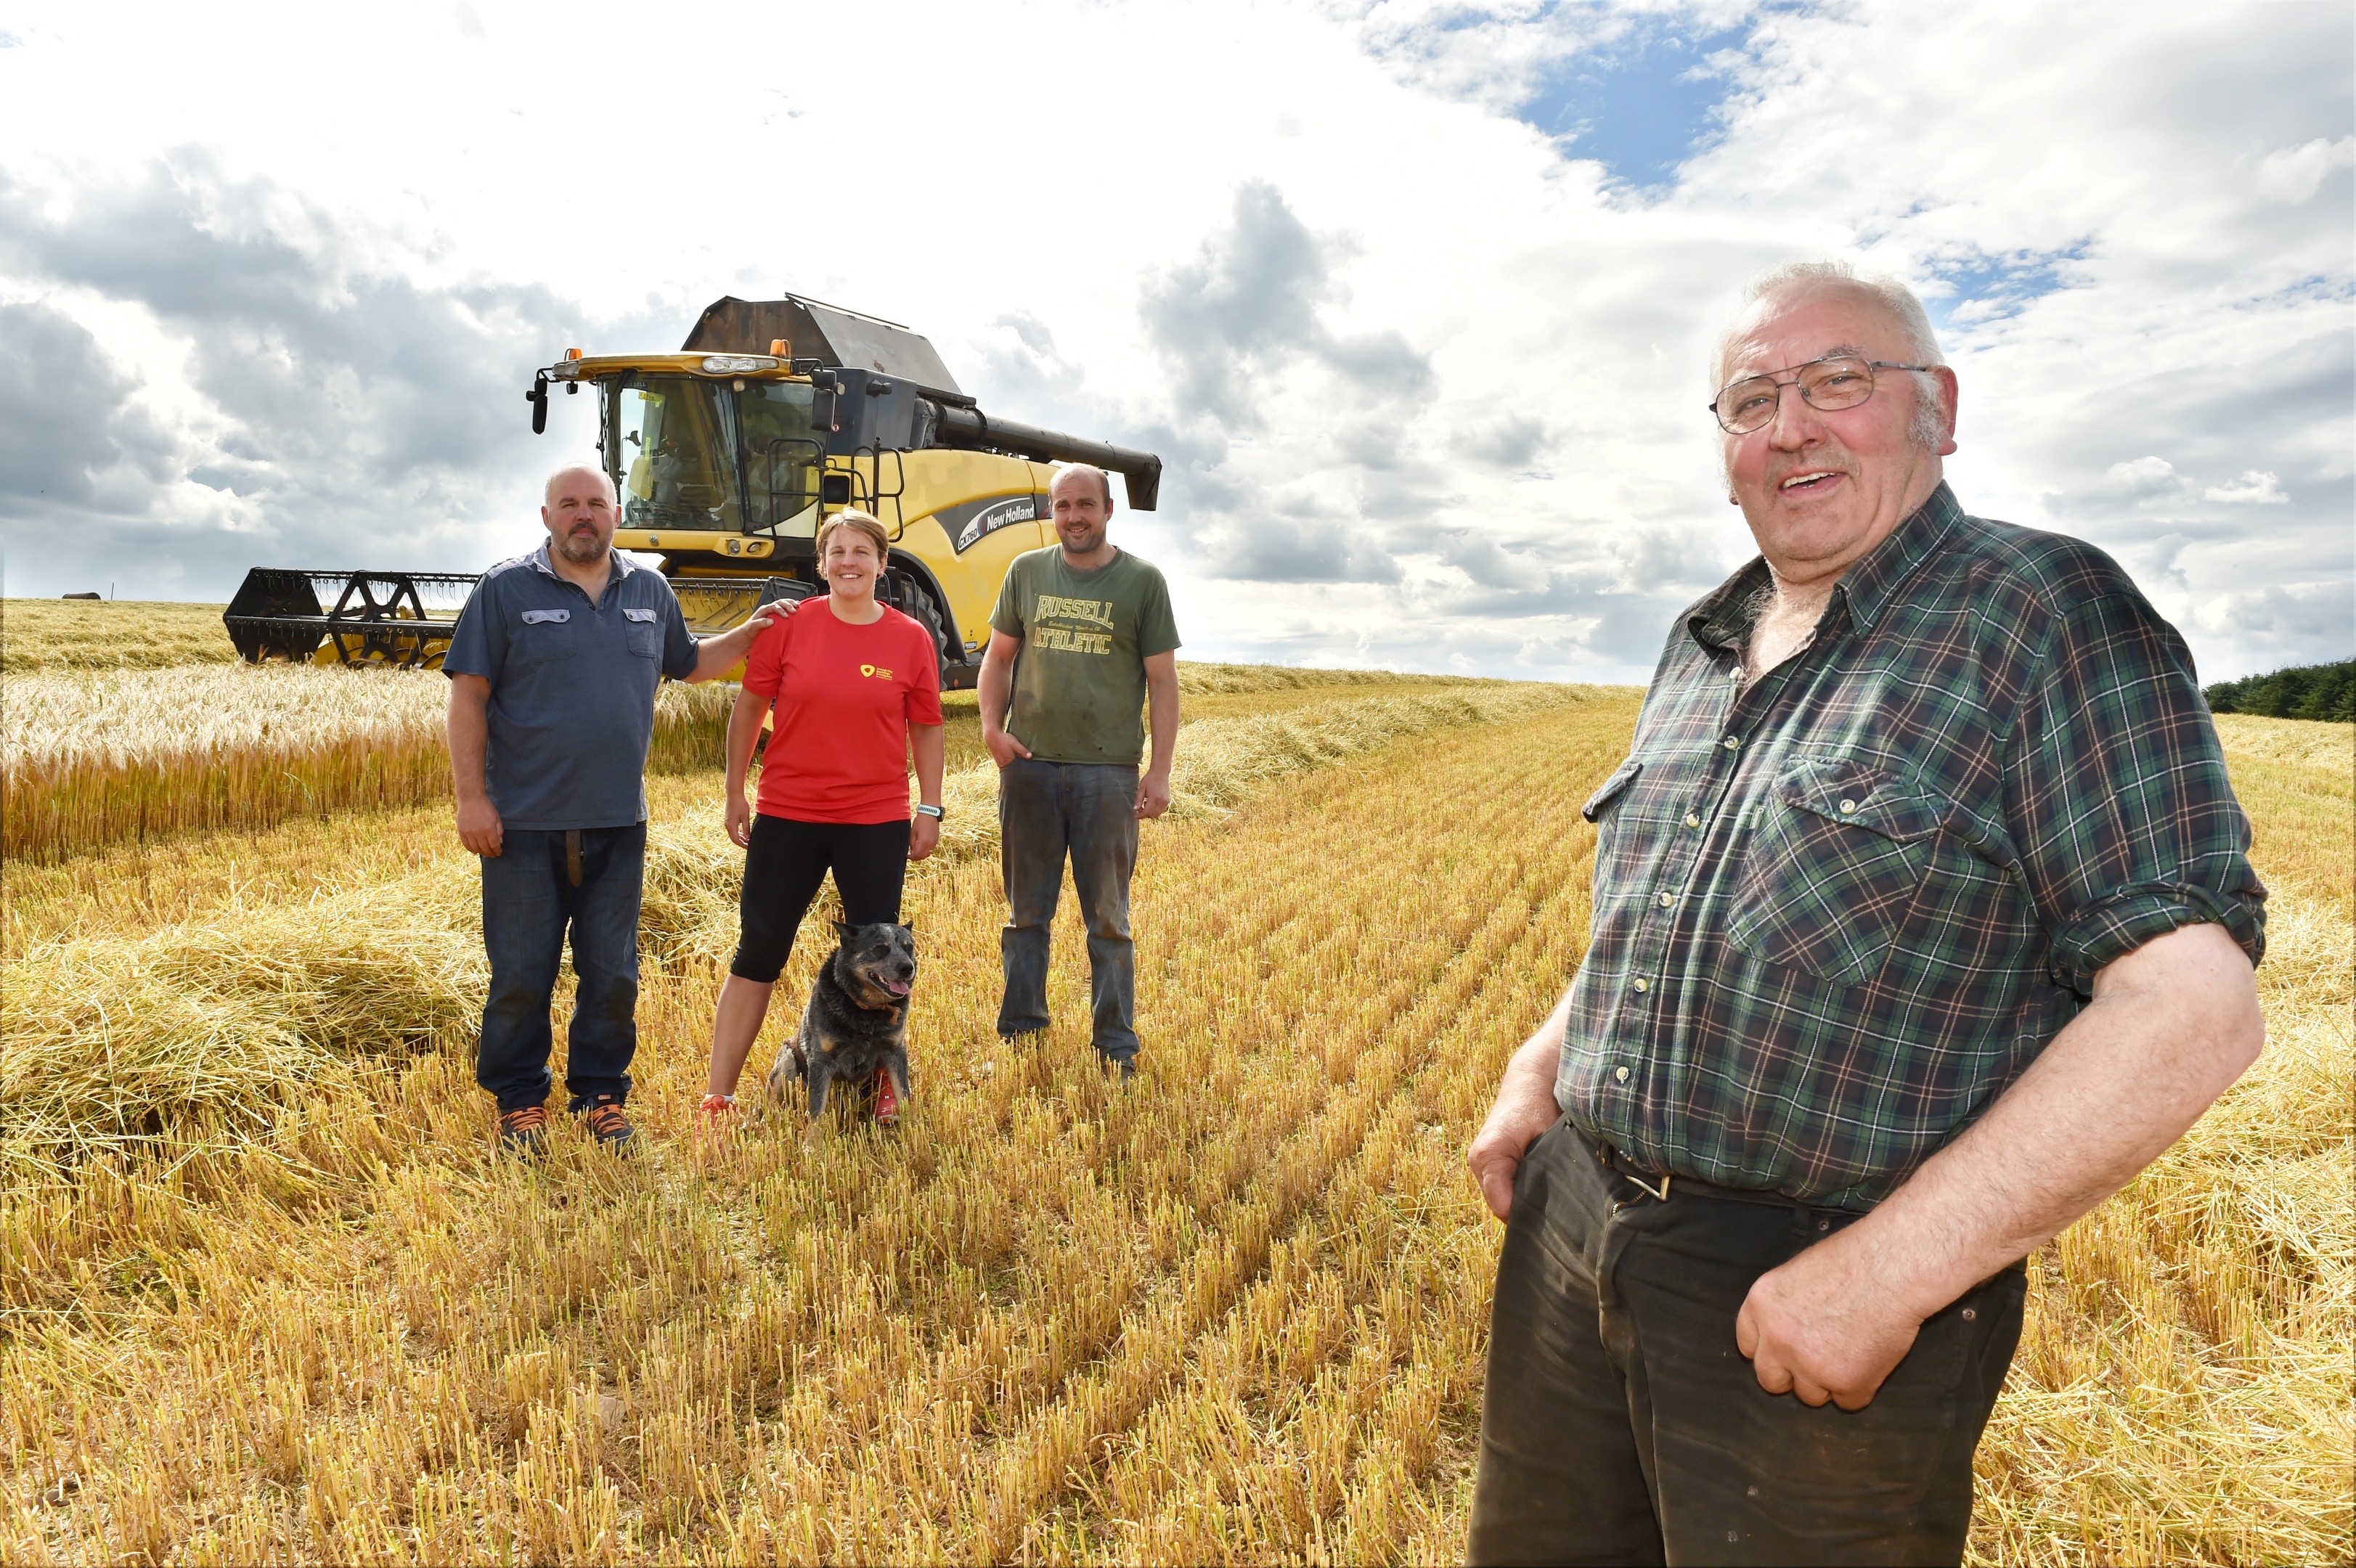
644, 637
1834, 864
1610, 790
541, 635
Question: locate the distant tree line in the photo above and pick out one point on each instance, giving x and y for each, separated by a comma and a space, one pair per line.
2324, 692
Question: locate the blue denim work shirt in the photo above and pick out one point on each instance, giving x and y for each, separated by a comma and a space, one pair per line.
572, 687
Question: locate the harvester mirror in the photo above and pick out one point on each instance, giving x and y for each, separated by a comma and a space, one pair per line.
821, 414
538, 398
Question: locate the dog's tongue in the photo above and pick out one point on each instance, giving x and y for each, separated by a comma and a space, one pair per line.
896, 987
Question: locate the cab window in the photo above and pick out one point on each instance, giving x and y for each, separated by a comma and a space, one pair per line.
782, 456
670, 454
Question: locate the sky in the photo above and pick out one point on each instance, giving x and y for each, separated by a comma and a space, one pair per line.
1416, 301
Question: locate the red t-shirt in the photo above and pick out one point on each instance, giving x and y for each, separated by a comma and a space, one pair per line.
845, 697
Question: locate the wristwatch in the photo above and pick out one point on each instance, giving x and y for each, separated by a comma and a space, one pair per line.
935, 812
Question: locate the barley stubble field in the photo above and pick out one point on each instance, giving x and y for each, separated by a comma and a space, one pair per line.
265, 1295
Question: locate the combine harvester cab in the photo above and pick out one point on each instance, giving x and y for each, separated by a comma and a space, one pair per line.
727, 456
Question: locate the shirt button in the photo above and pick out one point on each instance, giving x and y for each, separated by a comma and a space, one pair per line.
1621, 1074
1731, 742
1848, 805
1691, 820
1643, 984
1666, 900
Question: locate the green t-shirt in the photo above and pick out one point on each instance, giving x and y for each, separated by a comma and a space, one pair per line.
1079, 682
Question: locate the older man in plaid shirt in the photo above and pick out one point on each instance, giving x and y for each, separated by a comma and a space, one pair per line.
1924, 921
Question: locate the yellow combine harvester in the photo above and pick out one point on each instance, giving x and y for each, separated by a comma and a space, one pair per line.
727, 456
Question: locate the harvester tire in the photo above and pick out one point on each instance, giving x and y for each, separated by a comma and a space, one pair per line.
916, 603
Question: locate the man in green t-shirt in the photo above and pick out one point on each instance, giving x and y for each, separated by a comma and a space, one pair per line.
1082, 641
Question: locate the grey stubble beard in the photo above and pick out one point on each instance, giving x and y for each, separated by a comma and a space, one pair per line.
589, 554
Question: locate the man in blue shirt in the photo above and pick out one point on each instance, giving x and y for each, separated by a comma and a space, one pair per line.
553, 669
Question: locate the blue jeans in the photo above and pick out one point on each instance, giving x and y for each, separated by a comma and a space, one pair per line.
1087, 810
529, 901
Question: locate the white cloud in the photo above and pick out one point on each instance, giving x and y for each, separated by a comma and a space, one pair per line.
2293, 175
1428, 379
2278, 626
2139, 482
2253, 488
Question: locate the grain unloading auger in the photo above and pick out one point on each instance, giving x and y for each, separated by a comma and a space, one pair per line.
727, 456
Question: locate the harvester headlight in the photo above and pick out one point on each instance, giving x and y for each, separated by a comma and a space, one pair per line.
737, 363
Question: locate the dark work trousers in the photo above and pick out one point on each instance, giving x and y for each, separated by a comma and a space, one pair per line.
784, 868
1621, 1424
530, 902
1087, 810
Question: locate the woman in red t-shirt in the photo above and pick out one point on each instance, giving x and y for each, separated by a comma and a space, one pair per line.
857, 687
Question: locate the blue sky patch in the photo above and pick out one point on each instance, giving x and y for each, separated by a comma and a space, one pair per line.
1642, 104
1981, 286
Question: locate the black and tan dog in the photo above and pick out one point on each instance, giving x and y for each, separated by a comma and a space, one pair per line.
856, 1026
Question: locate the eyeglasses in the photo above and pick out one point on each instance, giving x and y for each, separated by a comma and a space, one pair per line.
1835, 381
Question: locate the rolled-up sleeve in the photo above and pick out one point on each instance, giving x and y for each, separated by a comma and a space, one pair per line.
2123, 816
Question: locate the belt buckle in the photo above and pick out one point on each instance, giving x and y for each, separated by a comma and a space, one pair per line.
1610, 1160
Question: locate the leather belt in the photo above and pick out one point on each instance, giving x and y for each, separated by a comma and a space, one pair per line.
1658, 1185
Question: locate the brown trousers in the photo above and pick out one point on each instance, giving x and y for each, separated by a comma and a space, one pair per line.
1621, 1424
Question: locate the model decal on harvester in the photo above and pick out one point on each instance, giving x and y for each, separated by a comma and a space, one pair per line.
981, 518
727, 456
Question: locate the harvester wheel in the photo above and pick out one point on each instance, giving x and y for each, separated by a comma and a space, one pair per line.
918, 605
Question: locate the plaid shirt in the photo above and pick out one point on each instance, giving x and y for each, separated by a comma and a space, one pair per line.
1839, 912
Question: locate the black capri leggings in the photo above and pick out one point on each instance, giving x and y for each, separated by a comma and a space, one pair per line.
784, 868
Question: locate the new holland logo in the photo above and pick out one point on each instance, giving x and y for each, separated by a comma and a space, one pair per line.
994, 517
